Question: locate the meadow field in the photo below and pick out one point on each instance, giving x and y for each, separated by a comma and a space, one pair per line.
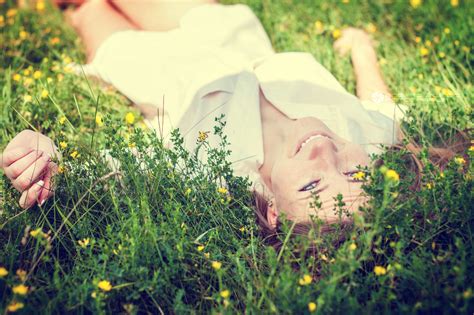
162, 235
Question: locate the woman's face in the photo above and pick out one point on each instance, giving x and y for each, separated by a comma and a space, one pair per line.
314, 159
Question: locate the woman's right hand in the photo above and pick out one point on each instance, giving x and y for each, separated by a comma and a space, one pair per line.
26, 161
352, 38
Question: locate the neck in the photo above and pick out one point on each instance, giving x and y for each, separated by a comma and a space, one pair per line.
273, 127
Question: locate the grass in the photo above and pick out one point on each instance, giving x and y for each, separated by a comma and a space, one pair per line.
161, 236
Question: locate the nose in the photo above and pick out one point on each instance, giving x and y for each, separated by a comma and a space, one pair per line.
323, 149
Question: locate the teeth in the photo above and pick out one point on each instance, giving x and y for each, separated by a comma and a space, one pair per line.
309, 139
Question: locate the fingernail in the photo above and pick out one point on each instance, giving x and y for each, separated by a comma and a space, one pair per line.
42, 202
40, 183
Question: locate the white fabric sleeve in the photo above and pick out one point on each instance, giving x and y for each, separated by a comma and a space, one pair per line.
161, 68
389, 109
388, 115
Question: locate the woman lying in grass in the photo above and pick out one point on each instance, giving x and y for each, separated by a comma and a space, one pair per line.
291, 126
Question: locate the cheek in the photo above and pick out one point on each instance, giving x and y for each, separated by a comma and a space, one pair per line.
282, 175
354, 155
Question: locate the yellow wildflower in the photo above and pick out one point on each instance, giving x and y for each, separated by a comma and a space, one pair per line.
104, 285
467, 294
15, 306
74, 154
62, 120
49, 79
3, 272
225, 294
307, 279
200, 248
203, 135
27, 98
336, 33
40, 5
442, 54
447, 30
37, 74
441, 174
26, 72
130, 118
380, 271
454, 3
222, 190
54, 40
16, 77
417, 39
429, 186
37, 232
392, 175
242, 229
447, 92
21, 274
371, 28
23, 35
11, 13
20, 289
44, 93
84, 242
2, 21
428, 43
98, 120
466, 49
311, 307
471, 148
421, 76
67, 59
353, 246
216, 265
60, 169
456, 42
187, 192
63, 144
318, 26
345, 1
415, 3
459, 160
207, 255
359, 175
424, 51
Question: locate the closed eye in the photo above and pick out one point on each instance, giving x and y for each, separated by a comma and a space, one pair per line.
356, 176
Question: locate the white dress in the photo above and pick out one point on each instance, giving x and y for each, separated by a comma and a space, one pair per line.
214, 63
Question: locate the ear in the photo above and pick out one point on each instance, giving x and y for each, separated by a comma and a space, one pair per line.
272, 214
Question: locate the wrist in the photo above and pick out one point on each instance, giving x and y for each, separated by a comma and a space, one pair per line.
363, 55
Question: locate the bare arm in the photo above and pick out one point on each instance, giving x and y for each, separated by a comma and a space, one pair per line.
364, 60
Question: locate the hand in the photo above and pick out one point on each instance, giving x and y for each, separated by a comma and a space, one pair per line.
26, 161
350, 39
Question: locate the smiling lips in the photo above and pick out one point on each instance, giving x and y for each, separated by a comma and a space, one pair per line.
308, 138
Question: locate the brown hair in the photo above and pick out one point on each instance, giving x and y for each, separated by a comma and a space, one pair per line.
438, 156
